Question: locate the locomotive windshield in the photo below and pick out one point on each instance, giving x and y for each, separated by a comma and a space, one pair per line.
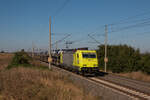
89, 55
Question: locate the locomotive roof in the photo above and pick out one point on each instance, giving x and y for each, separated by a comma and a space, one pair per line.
74, 50
86, 51
80, 51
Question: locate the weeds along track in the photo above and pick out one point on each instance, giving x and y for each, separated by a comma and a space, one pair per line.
126, 86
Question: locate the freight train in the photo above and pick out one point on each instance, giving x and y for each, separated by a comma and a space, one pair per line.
79, 60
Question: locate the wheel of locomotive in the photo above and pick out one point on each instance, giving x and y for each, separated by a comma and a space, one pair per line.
83, 73
76, 71
96, 73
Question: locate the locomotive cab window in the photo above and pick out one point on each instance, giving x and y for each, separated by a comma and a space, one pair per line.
88, 55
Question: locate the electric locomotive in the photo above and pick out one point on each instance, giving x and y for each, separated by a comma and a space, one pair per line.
81, 61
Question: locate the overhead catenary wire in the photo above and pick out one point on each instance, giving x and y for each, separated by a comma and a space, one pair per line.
59, 10
130, 18
59, 33
146, 23
101, 27
58, 41
94, 39
131, 21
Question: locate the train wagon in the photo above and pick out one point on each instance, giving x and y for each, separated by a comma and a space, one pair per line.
81, 61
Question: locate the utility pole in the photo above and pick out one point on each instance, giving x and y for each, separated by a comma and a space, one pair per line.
106, 59
32, 49
50, 58
56, 44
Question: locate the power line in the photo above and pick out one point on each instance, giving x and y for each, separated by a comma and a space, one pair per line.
133, 21
101, 27
131, 17
59, 11
127, 21
61, 7
59, 33
141, 33
58, 41
132, 26
94, 39
135, 35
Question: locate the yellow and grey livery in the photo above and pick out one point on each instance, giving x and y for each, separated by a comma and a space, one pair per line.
84, 61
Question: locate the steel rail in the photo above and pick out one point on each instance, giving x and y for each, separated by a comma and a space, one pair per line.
127, 90
133, 84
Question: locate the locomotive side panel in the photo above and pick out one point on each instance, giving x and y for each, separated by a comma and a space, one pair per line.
84, 61
68, 59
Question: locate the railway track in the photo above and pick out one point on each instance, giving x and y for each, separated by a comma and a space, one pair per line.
127, 82
135, 89
127, 90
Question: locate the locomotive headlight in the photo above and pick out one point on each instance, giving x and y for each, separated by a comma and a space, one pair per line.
84, 65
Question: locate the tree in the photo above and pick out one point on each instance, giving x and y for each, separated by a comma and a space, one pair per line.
122, 58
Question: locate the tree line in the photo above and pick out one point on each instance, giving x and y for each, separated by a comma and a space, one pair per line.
124, 58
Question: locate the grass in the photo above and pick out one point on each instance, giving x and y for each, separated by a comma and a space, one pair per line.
5, 59
38, 64
35, 82
137, 75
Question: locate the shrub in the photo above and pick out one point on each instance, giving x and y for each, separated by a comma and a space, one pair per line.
20, 59
2, 51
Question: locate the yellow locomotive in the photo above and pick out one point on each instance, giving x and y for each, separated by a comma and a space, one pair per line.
84, 61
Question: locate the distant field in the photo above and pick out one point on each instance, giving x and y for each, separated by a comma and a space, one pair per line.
5, 59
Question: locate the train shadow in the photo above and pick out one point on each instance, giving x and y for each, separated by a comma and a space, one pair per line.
102, 73
98, 74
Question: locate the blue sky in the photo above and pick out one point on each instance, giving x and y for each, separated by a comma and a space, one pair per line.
24, 21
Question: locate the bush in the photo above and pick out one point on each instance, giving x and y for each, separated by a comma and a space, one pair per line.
20, 59
2, 51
